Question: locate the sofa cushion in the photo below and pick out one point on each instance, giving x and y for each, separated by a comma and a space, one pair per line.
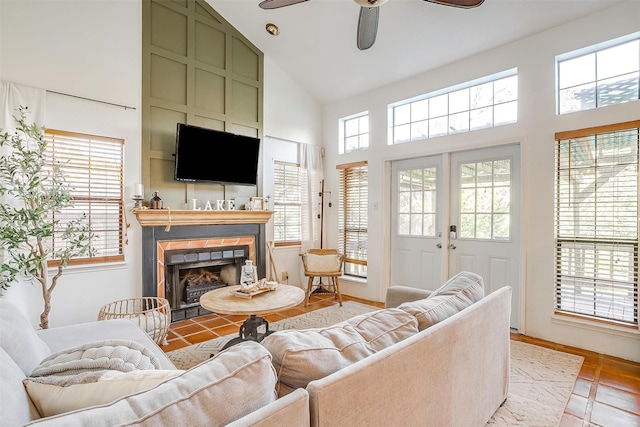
301, 356
235, 382
19, 339
59, 394
457, 293
119, 355
16, 408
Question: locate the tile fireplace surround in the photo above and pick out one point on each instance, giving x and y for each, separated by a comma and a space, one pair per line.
170, 230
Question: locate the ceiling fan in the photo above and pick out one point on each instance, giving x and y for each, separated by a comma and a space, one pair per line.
369, 14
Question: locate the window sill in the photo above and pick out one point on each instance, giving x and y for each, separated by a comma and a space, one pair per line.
358, 281
595, 326
89, 268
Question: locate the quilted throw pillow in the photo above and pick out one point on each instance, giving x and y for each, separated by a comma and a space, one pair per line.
119, 355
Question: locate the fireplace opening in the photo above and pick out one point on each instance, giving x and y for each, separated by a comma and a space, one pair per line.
194, 282
190, 273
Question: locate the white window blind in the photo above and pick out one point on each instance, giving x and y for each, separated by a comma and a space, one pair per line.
287, 203
353, 217
92, 166
596, 223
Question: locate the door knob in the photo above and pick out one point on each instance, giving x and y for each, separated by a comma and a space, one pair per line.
439, 245
452, 246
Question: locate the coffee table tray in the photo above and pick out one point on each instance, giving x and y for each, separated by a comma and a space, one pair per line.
251, 294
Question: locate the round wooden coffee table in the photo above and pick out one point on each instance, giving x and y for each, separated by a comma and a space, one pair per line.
223, 301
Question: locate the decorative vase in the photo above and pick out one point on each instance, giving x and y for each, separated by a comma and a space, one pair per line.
155, 202
249, 274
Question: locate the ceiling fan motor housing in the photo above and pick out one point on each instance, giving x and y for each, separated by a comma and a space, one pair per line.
370, 3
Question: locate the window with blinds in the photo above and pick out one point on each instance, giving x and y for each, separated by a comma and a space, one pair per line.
353, 202
596, 223
287, 204
92, 166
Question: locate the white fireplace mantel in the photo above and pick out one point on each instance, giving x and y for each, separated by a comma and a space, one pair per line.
171, 217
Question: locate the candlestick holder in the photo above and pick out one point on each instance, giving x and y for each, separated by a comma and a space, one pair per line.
138, 202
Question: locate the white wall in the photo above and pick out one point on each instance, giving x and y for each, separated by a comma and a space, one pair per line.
534, 57
92, 49
291, 116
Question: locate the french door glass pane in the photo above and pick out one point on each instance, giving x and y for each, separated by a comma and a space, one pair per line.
417, 202
485, 200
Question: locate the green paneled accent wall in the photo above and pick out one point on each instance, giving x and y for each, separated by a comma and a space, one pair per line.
196, 69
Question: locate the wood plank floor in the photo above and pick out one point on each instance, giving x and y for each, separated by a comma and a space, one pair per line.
606, 393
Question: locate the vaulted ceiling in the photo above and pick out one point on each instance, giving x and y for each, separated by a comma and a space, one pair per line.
317, 41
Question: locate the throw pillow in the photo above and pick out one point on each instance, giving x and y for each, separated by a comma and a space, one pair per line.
323, 263
120, 355
456, 294
56, 395
228, 386
301, 356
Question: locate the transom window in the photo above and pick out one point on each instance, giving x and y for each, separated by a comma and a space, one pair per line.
93, 168
485, 200
353, 220
287, 203
471, 106
354, 133
596, 223
602, 76
417, 202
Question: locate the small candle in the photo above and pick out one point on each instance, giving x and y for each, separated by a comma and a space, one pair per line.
138, 190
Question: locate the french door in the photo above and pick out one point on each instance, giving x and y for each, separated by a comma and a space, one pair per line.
454, 212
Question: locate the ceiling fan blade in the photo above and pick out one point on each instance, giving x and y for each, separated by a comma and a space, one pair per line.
367, 27
465, 4
274, 4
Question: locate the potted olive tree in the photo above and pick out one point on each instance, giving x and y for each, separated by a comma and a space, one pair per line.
32, 193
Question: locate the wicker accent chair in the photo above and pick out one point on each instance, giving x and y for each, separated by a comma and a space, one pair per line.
319, 263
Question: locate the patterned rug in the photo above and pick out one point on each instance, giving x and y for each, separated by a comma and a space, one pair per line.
541, 383
541, 379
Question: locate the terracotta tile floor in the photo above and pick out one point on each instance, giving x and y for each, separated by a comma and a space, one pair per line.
606, 393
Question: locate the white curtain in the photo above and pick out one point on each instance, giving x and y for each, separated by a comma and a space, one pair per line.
310, 159
15, 96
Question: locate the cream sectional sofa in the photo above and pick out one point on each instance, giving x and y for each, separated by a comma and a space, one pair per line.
437, 359
237, 386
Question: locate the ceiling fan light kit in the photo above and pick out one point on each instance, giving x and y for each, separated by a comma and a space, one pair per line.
371, 3
272, 29
369, 15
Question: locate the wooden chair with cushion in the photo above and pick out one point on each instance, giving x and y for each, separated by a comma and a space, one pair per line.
319, 263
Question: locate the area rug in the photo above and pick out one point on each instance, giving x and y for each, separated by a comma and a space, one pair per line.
541, 379
541, 382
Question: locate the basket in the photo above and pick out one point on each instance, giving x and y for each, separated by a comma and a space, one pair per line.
152, 314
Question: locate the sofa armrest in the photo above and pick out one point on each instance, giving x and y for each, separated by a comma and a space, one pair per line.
396, 295
290, 410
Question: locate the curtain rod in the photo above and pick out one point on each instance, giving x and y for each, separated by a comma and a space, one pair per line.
126, 107
284, 139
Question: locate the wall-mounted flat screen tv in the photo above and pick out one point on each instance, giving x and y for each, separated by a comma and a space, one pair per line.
208, 155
